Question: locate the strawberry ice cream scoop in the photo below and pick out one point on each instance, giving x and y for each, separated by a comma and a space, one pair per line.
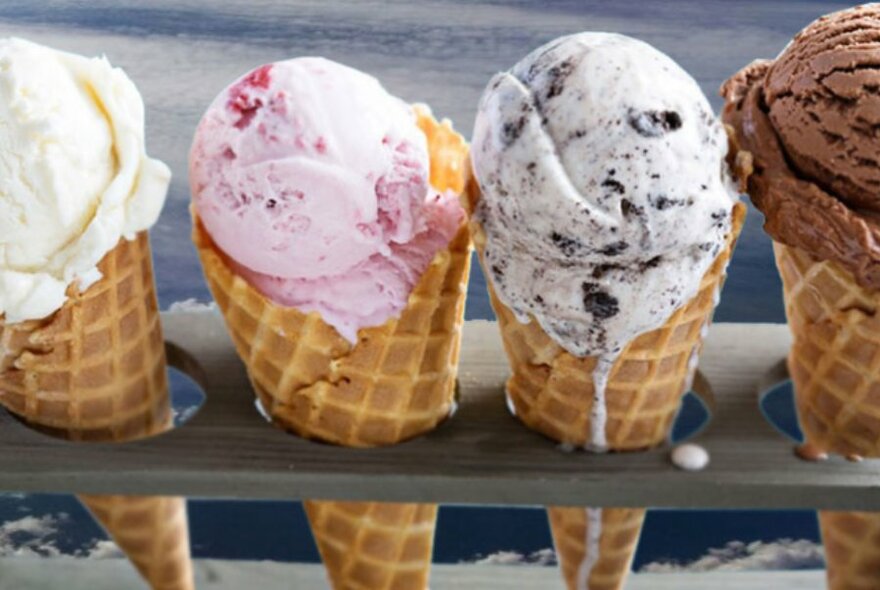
313, 180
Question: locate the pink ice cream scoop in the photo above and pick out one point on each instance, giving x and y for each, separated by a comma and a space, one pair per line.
313, 180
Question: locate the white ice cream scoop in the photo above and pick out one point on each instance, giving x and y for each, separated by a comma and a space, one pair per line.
74, 174
605, 193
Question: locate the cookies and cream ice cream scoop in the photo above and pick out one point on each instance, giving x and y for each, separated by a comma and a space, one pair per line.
605, 194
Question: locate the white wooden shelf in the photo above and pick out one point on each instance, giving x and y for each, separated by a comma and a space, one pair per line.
481, 456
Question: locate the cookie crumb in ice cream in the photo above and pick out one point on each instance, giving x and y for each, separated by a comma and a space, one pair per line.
653, 123
598, 302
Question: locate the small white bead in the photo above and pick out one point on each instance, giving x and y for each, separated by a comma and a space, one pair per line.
690, 457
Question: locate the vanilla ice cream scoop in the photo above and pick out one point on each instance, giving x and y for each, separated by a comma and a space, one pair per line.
605, 193
74, 175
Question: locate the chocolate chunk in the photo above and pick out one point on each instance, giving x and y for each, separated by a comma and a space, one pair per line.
662, 202
653, 123
511, 130
599, 302
567, 245
557, 75
614, 249
653, 263
628, 208
719, 217
614, 186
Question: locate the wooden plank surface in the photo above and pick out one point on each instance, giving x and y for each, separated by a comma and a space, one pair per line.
482, 455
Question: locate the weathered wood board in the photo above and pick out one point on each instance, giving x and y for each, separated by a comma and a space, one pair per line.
481, 456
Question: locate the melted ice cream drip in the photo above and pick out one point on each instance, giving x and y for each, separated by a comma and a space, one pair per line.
591, 553
599, 412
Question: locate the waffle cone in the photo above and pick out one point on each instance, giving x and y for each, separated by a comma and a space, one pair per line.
372, 545
852, 549
835, 355
616, 543
396, 382
95, 371
552, 390
833, 363
152, 531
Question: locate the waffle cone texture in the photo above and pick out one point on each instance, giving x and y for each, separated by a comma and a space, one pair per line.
95, 371
852, 549
618, 536
153, 533
396, 382
373, 545
835, 355
833, 362
552, 390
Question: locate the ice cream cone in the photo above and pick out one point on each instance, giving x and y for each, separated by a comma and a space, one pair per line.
152, 531
552, 392
374, 546
95, 371
396, 382
833, 359
833, 362
852, 549
595, 546
818, 195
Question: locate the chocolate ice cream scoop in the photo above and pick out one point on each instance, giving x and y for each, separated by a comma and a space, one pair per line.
811, 121
823, 97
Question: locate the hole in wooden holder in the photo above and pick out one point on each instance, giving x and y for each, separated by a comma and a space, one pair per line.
776, 401
187, 383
